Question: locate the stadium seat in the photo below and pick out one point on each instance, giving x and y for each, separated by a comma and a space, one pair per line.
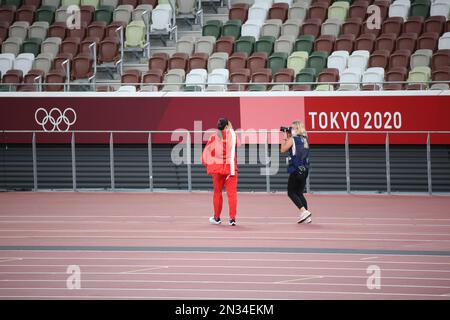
434, 24
71, 45
245, 44
19, 29
306, 76
386, 41
196, 78
55, 80
444, 41
59, 61
237, 61
140, 10
406, 41
135, 34
173, 80
413, 25
373, 78
379, 59
318, 10
159, 61
440, 58
251, 28
51, 45
339, 10
38, 30
331, 26
327, 76
421, 58
205, 44
87, 14
212, 28
399, 8
12, 77
428, 40
151, 80
440, 8
178, 60
58, 29
258, 13
284, 44
217, 60
225, 44
352, 26
397, 74
297, 61
186, 44
256, 61
338, 60
25, 13
123, 13
92, 3
304, 43
43, 62
6, 62
350, 79
359, 59
32, 45
279, 11
80, 32
96, 29
392, 25
419, 78
238, 12
132, 77
317, 61
271, 28
311, 27
400, 58
232, 28
265, 44
277, 61
104, 13
161, 18
284, 75
298, 11
198, 60
260, 80
366, 42
420, 8
218, 80
239, 79
7, 13
12, 45
358, 10
441, 74
128, 89
325, 43
291, 27
345, 42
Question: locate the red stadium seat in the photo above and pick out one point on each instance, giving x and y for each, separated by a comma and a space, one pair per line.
352, 26
256, 61
365, 42
159, 61
345, 42
225, 44
237, 61
179, 60
238, 11
237, 77
279, 11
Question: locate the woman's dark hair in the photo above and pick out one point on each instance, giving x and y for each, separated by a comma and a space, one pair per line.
222, 123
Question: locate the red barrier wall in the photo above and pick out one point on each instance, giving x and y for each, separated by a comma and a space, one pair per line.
320, 113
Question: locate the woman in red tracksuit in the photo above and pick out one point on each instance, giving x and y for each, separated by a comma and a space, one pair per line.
219, 157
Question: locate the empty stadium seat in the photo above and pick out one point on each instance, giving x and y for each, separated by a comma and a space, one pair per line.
373, 78
413, 25
298, 11
428, 40
352, 26
350, 79
307, 76
444, 41
297, 61
284, 44
418, 78
399, 8
338, 60
386, 41
379, 59
159, 61
277, 61
396, 74
245, 44
55, 80
239, 79
318, 10
359, 59
186, 44
225, 44
43, 62
392, 25
151, 80
238, 12
434, 24
339, 10
256, 61
304, 43
441, 74
440, 58
279, 11
291, 27
406, 41
345, 42
212, 28
205, 44
12, 45
311, 27
173, 80
366, 42
325, 43
6, 62
420, 8
440, 8
265, 44
178, 60
198, 60
218, 80
400, 58
421, 57
237, 61
331, 26
328, 76
317, 61
232, 28
123, 13
196, 78
251, 28
263, 77
217, 60
271, 28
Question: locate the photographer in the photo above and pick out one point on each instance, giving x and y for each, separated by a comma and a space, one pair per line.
296, 143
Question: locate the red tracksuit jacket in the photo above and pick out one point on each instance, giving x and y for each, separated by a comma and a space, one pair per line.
218, 153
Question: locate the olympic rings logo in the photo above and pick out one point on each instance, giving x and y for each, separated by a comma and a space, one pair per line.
60, 120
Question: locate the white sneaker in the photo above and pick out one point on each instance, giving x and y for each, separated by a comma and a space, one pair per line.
304, 216
213, 220
309, 220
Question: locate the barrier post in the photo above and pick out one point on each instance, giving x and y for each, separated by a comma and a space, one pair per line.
188, 160
111, 161
33, 148
74, 169
266, 153
347, 163
150, 161
430, 188
388, 165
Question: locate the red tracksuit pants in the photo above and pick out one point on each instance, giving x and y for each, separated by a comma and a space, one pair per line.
230, 182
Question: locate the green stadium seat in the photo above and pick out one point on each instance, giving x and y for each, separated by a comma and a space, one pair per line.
318, 60
277, 61
46, 13
304, 43
245, 44
306, 75
104, 13
213, 28
420, 8
32, 45
232, 28
265, 44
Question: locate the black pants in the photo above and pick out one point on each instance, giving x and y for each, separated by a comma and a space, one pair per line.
296, 188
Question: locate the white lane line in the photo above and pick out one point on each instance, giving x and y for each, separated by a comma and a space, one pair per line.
175, 237
369, 258
221, 266
220, 252
215, 232
234, 290
146, 269
10, 259
298, 279
71, 258
291, 282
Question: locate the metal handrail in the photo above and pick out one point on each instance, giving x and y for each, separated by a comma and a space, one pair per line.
189, 144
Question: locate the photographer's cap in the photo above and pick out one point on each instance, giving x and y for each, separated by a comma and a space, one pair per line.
222, 123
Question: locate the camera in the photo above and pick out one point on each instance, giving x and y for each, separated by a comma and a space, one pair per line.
286, 129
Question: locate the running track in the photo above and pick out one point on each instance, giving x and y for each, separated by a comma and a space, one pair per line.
160, 246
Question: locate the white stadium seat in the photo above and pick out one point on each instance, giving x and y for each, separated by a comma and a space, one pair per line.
350, 79
24, 62
217, 80
373, 76
338, 60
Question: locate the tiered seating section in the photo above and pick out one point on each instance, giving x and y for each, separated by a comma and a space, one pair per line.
265, 45
267, 42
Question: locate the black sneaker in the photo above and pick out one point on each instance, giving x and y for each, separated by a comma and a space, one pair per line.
232, 222
213, 220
